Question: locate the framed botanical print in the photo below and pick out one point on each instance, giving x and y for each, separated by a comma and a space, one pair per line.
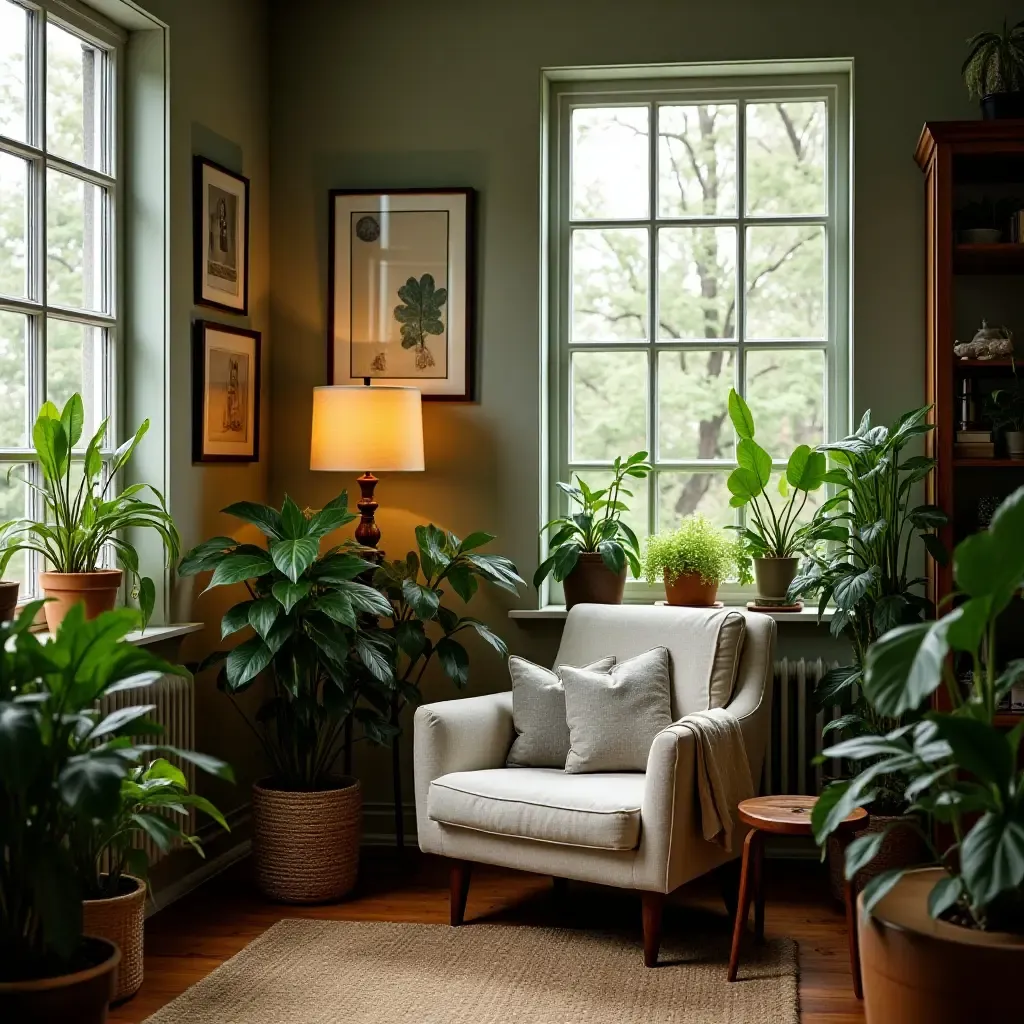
225, 393
221, 237
401, 289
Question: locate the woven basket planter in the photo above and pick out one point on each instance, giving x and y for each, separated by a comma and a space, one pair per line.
903, 847
306, 844
121, 920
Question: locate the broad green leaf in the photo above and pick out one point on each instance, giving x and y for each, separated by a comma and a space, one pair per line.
750, 455
476, 540
944, 894
863, 850
205, 555
289, 594
235, 618
904, 667
612, 555
338, 607
739, 413
72, 419
294, 525
992, 857
147, 598
116, 721
463, 582
294, 556
238, 568
262, 614
806, 469
454, 660
247, 661
978, 747
744, 485
267, 519
91, 785
422, 600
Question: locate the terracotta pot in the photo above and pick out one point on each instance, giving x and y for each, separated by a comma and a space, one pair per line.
121, 919
8, 599
592, 582
96, 590
919, 971
81, 997
903, 847
690, 590
773, 576
305, 845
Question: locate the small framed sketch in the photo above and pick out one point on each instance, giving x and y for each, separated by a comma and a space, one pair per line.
221, 255
225, 394
401, 289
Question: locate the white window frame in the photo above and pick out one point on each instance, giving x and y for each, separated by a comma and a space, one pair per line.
102, 34
567, 90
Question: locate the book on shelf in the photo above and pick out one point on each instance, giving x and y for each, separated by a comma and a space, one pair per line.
974, 451
974, 437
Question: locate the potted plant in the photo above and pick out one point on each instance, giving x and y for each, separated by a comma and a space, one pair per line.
994, 72
693, 560
154, 796
1005, 408
83, 518
773, 539
590, 549
313, 626
871, 525
61, 766
924, 931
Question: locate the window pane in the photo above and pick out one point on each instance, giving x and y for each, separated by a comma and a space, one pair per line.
697, 161
74, 362
786, 394
638, 503
609, 284
73, 97
786, 282
13, 368
609, 405
786, 158
693, 397
14, 504
74, 242
679, 494
13, 224
696, 283
609, 163
13, 49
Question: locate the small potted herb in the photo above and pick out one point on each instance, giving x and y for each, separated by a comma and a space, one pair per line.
994, 72
693, 560
590, 549
1006, 412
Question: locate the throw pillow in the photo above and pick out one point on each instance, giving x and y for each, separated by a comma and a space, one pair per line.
613, 717
538, 713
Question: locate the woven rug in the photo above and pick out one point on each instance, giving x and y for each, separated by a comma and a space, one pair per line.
326, 972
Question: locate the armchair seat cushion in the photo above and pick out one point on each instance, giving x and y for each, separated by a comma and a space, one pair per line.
600, 811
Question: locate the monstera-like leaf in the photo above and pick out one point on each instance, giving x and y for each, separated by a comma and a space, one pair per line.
420, 313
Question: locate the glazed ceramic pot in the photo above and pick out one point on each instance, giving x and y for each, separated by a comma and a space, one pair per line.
592, 582
689, 590
773, 577
96, 590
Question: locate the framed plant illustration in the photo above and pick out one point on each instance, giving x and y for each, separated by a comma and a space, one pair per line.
225, 393
401, 289
220, 237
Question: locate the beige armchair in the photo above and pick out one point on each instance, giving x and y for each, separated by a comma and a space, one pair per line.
634, 830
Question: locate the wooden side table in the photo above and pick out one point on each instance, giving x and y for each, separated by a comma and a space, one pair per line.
786, 816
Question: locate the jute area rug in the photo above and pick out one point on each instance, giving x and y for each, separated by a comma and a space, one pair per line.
340, 972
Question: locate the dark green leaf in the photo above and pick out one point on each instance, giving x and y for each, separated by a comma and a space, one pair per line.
905, 666
247, 661
863, 850
992, 857
454, 660
294, 524
612, 555
476, 540
238, 568
289, 594
978, 747
750, 455
422, 600
262, 614
294, 556
205, 555
944, 894
235, 618
739, 413
267, 519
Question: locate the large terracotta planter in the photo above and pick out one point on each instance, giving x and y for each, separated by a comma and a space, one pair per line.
773, 577
919, 971
903, 847
81, 997
689, 590
305, 845
592, 582
96, 590
8, 599
121, 920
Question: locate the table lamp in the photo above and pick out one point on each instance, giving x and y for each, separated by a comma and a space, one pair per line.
369, 428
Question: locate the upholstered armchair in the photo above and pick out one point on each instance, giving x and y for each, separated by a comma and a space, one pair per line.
634, 830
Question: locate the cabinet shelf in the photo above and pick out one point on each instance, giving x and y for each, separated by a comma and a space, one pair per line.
1008, 719
992, 258
989, 463
990, 365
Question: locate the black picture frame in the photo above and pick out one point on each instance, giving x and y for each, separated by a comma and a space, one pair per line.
202, 169
200, 337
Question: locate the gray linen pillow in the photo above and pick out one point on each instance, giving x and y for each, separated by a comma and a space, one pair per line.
538, 713
613, 717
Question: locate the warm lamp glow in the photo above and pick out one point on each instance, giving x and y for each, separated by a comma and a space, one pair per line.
368, 429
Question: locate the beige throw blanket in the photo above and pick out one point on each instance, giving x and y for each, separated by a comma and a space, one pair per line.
723, 772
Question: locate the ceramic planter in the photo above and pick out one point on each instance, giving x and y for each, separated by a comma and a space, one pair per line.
903, 847
8, 599
305, 844
592, 582
121, 919
999, 106
919, 971
1015, 444
773, 577
96, 590
81, 997
689, 590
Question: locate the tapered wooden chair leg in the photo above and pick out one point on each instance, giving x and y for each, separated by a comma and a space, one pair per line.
653, 909
759, 892
743, 907
459, 890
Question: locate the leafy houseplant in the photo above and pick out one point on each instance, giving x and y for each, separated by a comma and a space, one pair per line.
774, 539
994, 71
312, 625
591, 548
421, 316
1005, 409
693, 560
82, 518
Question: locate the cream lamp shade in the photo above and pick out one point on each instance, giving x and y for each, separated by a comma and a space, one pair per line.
366, 428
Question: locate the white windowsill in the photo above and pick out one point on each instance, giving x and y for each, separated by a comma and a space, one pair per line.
809, 615
152, 634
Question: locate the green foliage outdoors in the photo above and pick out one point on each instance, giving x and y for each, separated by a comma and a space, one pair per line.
62, 768
697, 546
420, 315
960, 771
995, 62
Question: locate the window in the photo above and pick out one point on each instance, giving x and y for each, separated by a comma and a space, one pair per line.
699, 241
59, 280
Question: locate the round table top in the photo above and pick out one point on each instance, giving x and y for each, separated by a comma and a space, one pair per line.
791, 815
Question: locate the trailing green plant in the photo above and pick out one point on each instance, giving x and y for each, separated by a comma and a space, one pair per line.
962, 772
420, 316
83, 517
772, 534
995, 62
62, 766
313, 625
598, 528
695, 546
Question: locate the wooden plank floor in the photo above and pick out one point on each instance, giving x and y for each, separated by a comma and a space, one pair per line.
193, 936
